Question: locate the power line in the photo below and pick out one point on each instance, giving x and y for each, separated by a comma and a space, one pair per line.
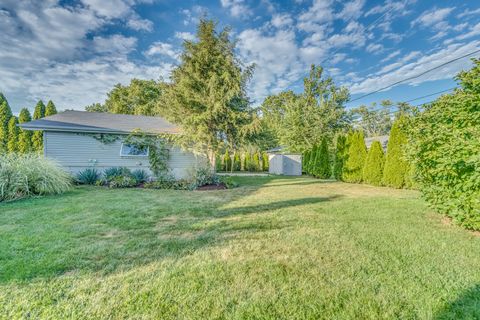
416, 76
429, 95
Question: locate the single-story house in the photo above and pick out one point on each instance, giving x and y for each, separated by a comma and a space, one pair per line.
72, 139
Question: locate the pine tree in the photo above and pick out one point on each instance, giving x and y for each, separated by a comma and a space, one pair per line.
256, 162
24, 136
12, 144
373, 168
227, 162
396, 167
323, 161
237, 164
50, 110
340, 154
37, 137
266, 163
5, 115
357, 153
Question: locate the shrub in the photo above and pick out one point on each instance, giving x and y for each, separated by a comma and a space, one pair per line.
203, 176
114, 172
266, 163
248, 162
237, 164
444, 145
218, 163
256, 162
227, 161
323, 161
341, 149
140, 175
357, 152
28, 175
373, 169
122, 182
88, 176
396, 166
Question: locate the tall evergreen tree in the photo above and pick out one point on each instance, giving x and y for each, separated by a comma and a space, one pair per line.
323, 161
305, 160
256, 162
357, 153
396, 166
37, 136
248, 162
5, 115
12, 145
218, 163
341, 149
207, 96
312, 160
373, 168
24, 136
227, 162
266, 163
237, 164
50, 110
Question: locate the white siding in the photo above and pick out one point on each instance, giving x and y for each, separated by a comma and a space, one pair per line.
77, 152
285, 164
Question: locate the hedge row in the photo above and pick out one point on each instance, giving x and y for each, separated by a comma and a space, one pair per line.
252, 162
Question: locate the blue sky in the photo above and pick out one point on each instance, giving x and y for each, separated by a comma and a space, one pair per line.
73, 52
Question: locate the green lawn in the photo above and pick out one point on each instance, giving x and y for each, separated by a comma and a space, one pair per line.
274, 248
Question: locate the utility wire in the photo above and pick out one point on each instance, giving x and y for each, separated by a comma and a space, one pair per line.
415, 76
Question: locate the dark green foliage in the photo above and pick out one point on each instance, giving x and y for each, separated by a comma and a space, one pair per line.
357, 153
140, 175
5, 115
306, 161
323, 169
311, 164
39, 111
113, 172
12, 145
373, 168
237, 164
88, 176
50, 110
266, 163
341, 149
227, 161
444, 145
24, 136
396, 166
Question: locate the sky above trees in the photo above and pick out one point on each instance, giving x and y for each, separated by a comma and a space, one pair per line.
74, 52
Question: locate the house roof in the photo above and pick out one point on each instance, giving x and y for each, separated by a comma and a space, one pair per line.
82, 121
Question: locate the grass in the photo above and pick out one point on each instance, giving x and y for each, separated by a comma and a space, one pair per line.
294, 248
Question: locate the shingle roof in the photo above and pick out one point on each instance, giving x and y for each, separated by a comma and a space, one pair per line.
82, 121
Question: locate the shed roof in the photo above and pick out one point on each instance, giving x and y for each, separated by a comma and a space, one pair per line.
82, 121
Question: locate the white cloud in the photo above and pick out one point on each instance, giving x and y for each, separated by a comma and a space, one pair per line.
351, 10
391, 56
400, 70
433, 17
139, 24
315, 18
164, 49
237, 8
185, 36
375, 48
468, 13
281, 20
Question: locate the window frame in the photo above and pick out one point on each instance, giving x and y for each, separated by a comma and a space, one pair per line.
133, 155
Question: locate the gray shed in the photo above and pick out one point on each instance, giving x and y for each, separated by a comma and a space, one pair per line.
288, 164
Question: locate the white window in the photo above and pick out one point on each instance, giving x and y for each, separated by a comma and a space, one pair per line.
129, 150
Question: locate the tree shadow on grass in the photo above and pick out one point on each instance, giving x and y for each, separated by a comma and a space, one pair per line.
105, 231
466, 306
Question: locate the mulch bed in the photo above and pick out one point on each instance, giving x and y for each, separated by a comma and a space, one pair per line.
207, 187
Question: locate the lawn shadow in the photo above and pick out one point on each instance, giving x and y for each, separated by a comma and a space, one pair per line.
107, 231
466, 306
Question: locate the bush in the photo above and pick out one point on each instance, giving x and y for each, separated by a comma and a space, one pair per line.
357, 152
396, 166
27, 175
444, 145
256, 162
88, 176
140, 175
114, 172
373, 169
237, 164
227, 161
341, 149
322, 160
266, 163
122, 182
204, 176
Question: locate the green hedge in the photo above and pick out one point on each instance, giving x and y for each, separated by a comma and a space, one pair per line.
355, 160
373, 169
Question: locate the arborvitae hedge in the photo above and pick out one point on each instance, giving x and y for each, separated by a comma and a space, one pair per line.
12, 144
396, 166
256, 162
373, 169
237, 164
24, 136
323, 161
340, 154
266, 163
218, 163
305, 161
357, 153
227, 161
5, 115
311, 161
247, 162
50, 109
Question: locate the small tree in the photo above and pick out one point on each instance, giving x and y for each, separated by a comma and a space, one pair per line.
266, 163
12, 145
373, 169
237, 164
218, 163
256, 162
357, 152
323, 161
24, 136
39, 111
227, 161
305, 160
396, 166
5, 115
248, 161
312, 160
37, 137
50, 110
340, 155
